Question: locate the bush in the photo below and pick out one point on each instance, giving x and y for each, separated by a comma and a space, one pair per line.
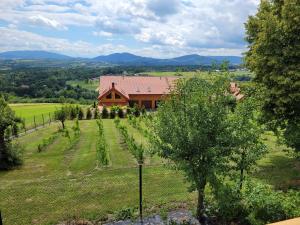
128, 111
136, 110
120, 113
96, 113
88, 114
80, 114
113, 112
124, 214
12, 156
104, 113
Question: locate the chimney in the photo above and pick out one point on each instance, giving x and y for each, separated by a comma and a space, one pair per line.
113, 84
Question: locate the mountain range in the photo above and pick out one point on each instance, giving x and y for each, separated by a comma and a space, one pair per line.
124, 58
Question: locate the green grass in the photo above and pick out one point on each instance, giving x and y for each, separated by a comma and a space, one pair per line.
61, 182
91, 85
37, 110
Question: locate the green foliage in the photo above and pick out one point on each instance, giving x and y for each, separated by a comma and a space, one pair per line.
104, 113
121, 113
96, 113
47, 141
257, 204
88, 113
61, 115
137, 150
124, 214
136, 110
9, 154
102, 149
246, 137
191, 129
76, 128
80, 113
274, 57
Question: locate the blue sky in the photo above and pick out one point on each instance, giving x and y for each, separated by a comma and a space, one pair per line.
156, 28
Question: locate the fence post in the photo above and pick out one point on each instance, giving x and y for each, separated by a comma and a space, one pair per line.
141, 191
0, 219
34, 122
43, 120
25, 126
49, 119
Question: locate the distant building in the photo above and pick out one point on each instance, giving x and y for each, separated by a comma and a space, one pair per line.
144, 91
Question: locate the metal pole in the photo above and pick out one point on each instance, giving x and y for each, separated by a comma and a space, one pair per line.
43, 120
0, 219
141, 192
34, 122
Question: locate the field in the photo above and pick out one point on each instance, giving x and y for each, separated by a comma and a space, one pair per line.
91, 85
61, 183
37, 111
66, 180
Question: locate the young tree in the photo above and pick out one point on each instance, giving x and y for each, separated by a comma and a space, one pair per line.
8, 155
191, 129
61, 115
88, 114
80, 113
96, 113
104, 113
246, 135
274, 57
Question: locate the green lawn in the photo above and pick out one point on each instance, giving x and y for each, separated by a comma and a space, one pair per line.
91, 85
63, 182
37, 110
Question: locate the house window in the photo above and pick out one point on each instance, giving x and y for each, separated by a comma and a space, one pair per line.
117, 96
108, 96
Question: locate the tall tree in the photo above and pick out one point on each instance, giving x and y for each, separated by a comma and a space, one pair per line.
191, 129
274, 56
246, 135
9, 156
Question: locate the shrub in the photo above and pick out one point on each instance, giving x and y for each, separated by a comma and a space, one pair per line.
120, 113
136, 110
96, 113
88, 114
80, 114
13, 156
124, 214
104, 113
113, 112
128, 111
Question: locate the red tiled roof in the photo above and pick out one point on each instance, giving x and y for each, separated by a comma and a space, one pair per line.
128, 85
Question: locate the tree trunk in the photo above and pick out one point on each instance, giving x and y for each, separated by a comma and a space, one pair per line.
241, 179
63, 124
200, 206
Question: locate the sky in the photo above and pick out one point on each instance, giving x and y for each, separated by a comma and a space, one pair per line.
154, 28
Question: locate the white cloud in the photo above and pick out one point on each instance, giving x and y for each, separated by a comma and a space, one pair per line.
206, 26
102, 34
43, 21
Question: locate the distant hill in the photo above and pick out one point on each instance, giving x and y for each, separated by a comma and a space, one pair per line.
33, 55
123, 59
130, 59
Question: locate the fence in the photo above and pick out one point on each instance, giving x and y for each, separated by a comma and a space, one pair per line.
37, 121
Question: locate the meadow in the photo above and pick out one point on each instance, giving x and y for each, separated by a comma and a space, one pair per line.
91, 85
35, 111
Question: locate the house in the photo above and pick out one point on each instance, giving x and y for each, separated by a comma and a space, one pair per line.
144, 91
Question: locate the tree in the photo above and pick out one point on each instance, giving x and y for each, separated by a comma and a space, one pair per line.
246, 135
88, 114
9, 155
274, 57
191, 129
104, 113
80, 113
61, 115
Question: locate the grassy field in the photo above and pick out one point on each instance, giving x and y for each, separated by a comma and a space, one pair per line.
37, 110
202, 74
91, 85
62, 182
